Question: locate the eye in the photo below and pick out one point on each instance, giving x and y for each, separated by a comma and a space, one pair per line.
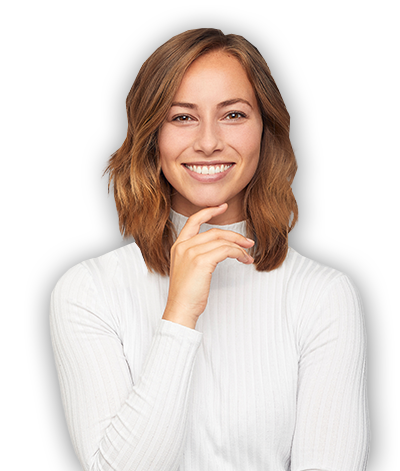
235, 115
183, 118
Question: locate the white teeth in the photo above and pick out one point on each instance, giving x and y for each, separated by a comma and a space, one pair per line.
208, 170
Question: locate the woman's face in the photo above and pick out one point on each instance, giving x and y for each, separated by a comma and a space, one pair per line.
214, 123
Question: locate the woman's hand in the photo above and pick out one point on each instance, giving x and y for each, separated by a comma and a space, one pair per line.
194, 258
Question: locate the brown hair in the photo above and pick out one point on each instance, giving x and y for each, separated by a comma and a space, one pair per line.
142, 193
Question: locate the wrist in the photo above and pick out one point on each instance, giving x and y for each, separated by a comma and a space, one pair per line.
178, 318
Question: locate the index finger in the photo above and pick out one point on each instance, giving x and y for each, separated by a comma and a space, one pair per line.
192, 226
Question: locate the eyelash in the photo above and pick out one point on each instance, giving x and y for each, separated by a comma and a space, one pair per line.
242, 115
237, 112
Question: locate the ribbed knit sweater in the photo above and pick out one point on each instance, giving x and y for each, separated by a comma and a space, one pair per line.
271, 379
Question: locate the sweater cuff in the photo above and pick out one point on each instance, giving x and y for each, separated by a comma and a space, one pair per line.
179, 331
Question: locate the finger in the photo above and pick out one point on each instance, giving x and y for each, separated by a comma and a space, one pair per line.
206, 248
192, 226
218, 254
220, 234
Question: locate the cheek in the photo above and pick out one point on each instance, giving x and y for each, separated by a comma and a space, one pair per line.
247, 142
168, 152
170, 144
163, 143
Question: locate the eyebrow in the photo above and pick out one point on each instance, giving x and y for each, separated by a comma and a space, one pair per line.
223, 104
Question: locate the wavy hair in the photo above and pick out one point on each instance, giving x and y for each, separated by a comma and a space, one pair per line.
142, 193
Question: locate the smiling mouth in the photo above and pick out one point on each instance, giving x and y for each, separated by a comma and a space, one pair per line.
208, 169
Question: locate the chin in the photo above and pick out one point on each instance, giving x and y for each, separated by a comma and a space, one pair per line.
208, 202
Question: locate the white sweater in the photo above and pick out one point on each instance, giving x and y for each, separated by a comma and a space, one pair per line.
271, 379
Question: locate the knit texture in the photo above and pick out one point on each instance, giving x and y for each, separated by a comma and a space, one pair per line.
272, 379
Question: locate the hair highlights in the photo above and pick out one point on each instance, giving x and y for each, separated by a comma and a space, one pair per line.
142, 193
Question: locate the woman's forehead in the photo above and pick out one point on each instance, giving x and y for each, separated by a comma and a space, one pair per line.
215, 76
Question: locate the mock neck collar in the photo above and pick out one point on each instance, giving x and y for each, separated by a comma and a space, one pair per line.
179, 220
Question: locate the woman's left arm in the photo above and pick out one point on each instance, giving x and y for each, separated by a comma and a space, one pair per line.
332, 424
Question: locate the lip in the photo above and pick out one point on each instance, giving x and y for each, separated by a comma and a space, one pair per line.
206, 163
208, 178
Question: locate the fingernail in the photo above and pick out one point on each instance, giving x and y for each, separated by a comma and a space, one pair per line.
250, 240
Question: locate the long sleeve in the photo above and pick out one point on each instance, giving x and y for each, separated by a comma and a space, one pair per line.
332, 429
272, 378
115, 424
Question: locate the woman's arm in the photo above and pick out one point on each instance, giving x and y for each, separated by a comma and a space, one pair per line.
114, 424
194, 257
332, 427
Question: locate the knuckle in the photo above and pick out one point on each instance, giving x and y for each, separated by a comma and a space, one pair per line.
226, 248
217, 233
177, 248
198, 261
191, 252
193, 217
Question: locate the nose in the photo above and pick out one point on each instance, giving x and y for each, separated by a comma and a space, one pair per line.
208, 139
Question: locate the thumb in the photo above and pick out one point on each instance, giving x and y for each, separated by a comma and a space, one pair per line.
192, 226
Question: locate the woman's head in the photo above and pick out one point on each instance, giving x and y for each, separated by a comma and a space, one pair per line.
209, 144
142, 191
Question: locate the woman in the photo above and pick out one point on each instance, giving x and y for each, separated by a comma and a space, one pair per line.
171, 354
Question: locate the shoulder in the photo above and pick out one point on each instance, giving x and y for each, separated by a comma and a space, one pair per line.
307, 275
97, 281
307, 267
311, 283
106, 268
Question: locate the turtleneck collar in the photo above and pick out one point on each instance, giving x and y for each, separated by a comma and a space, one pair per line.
179, 221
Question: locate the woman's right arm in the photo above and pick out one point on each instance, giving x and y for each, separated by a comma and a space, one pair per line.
194, 257
114, 424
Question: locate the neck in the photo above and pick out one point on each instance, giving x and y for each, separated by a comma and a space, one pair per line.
232, 215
